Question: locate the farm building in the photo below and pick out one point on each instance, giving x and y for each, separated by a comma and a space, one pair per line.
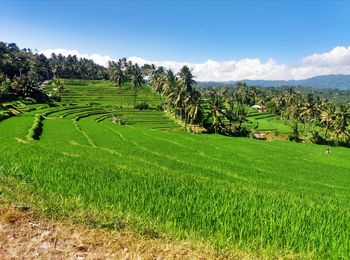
259, 108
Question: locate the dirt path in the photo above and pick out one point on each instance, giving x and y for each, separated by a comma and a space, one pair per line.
25, 236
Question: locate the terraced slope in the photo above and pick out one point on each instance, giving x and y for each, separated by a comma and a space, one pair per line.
268, 122
269, 198
104, 92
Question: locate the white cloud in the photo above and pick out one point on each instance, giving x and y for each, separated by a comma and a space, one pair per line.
337, 61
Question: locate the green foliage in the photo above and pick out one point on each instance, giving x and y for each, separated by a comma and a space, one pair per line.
5, 85
121, 120
58, 86
142, 106
295, 135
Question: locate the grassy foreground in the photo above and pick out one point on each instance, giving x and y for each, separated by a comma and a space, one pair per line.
272, 198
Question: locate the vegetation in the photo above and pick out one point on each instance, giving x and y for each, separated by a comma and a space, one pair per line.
99, 158
146, 176
22, 71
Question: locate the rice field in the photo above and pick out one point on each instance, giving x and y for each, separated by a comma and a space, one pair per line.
268, 122
272, 198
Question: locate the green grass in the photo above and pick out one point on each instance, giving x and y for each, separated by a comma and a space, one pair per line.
275, 198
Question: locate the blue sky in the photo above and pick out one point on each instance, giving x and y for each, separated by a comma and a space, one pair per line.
191, 31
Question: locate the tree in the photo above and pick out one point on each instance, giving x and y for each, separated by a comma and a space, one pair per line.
327, 119
341, 124
177, 97
186, 78
230, 112
136, 79
240, 116
58, 85
157, 81
170, 83
216, 111
5, 85
118, 76
194, 108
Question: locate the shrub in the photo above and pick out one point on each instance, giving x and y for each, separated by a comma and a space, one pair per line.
122, 120
142, 106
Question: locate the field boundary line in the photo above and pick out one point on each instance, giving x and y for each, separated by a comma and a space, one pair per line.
84, 134
118, 133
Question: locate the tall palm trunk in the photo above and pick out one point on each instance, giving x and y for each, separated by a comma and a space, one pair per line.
121, 96
135, 98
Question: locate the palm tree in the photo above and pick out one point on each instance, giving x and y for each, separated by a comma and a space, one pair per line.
240, 115
310, 108
177, 97
119, 78
242, 93
341, 123
216, 110
186, 78
230, 112
169, 85
327, 118
157, 81
136, 79
194, 108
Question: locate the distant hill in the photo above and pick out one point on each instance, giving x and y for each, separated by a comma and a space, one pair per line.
328, 81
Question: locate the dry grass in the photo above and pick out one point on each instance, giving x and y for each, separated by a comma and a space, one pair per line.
26, 235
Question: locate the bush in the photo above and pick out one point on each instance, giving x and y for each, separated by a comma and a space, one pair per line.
316, 137
142, 106
295, 135
122, 120
242, 131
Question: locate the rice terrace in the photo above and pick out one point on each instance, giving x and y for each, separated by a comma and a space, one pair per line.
130, 161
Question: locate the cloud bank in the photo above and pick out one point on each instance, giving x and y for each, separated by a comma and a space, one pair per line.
336, 61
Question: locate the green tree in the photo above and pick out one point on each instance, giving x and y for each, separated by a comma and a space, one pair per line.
58, 85
136, 79
5, 85
216, 111
194, 109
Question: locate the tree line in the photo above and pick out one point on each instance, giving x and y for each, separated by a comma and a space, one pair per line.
224, 110
22, 71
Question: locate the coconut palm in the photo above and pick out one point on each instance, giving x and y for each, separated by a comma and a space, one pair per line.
186, 78
310, 108
119, 78
216, 111
230, 112
157, 81
136, 79
327, 118
341, 123
240, 115
194, 110
177, 98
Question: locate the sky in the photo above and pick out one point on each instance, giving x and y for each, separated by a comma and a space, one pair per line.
219, 40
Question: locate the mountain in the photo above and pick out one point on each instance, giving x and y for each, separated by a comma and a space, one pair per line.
328, 81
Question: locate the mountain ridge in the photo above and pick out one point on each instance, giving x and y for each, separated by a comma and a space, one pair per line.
339, 81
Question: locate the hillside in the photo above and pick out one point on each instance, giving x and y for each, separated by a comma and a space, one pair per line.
271, 199
328, 81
